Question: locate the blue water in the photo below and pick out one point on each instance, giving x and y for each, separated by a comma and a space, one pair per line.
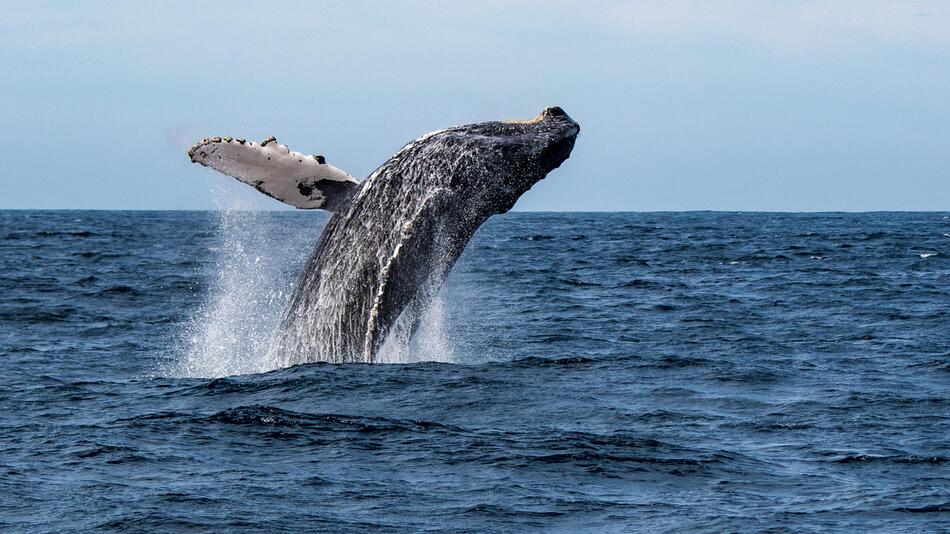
593, 372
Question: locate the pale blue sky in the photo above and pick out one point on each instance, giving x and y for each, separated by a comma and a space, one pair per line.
793, 106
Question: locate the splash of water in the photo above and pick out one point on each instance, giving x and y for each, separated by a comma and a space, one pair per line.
430, 342
232, 331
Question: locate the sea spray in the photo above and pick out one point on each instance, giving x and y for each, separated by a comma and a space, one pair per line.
254, 274
256, 263
429, 342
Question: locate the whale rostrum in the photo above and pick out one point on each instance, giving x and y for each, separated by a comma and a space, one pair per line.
394, 237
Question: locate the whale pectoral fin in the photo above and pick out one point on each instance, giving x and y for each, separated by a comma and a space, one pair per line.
301, 180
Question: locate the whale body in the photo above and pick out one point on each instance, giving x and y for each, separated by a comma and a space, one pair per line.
394, 237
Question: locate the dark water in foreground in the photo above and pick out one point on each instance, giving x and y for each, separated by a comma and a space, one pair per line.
615, 372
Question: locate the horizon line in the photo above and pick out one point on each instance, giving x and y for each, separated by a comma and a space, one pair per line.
212, 210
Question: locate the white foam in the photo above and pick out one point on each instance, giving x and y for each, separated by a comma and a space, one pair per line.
928, 254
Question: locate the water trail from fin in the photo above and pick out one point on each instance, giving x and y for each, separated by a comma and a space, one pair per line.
255, 268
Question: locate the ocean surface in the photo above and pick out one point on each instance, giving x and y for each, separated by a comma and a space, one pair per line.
655, 372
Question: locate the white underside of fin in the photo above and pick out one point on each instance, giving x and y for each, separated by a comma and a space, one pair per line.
301, 180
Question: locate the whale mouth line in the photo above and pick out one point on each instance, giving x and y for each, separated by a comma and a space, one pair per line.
534, 120
552, 112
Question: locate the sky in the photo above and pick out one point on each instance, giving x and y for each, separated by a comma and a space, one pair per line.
716, 105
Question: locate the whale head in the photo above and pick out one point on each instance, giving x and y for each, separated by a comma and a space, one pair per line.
547, 138
487, 166
524, 152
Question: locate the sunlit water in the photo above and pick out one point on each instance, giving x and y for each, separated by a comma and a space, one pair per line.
592, 372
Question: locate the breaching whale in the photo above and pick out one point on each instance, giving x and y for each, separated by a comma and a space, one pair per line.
393, 237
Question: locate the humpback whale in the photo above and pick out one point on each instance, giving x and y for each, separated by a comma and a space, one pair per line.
393, 237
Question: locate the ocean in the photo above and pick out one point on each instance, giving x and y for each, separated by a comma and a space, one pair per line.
579, 372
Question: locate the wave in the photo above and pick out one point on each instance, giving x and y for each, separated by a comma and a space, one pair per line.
878, 459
